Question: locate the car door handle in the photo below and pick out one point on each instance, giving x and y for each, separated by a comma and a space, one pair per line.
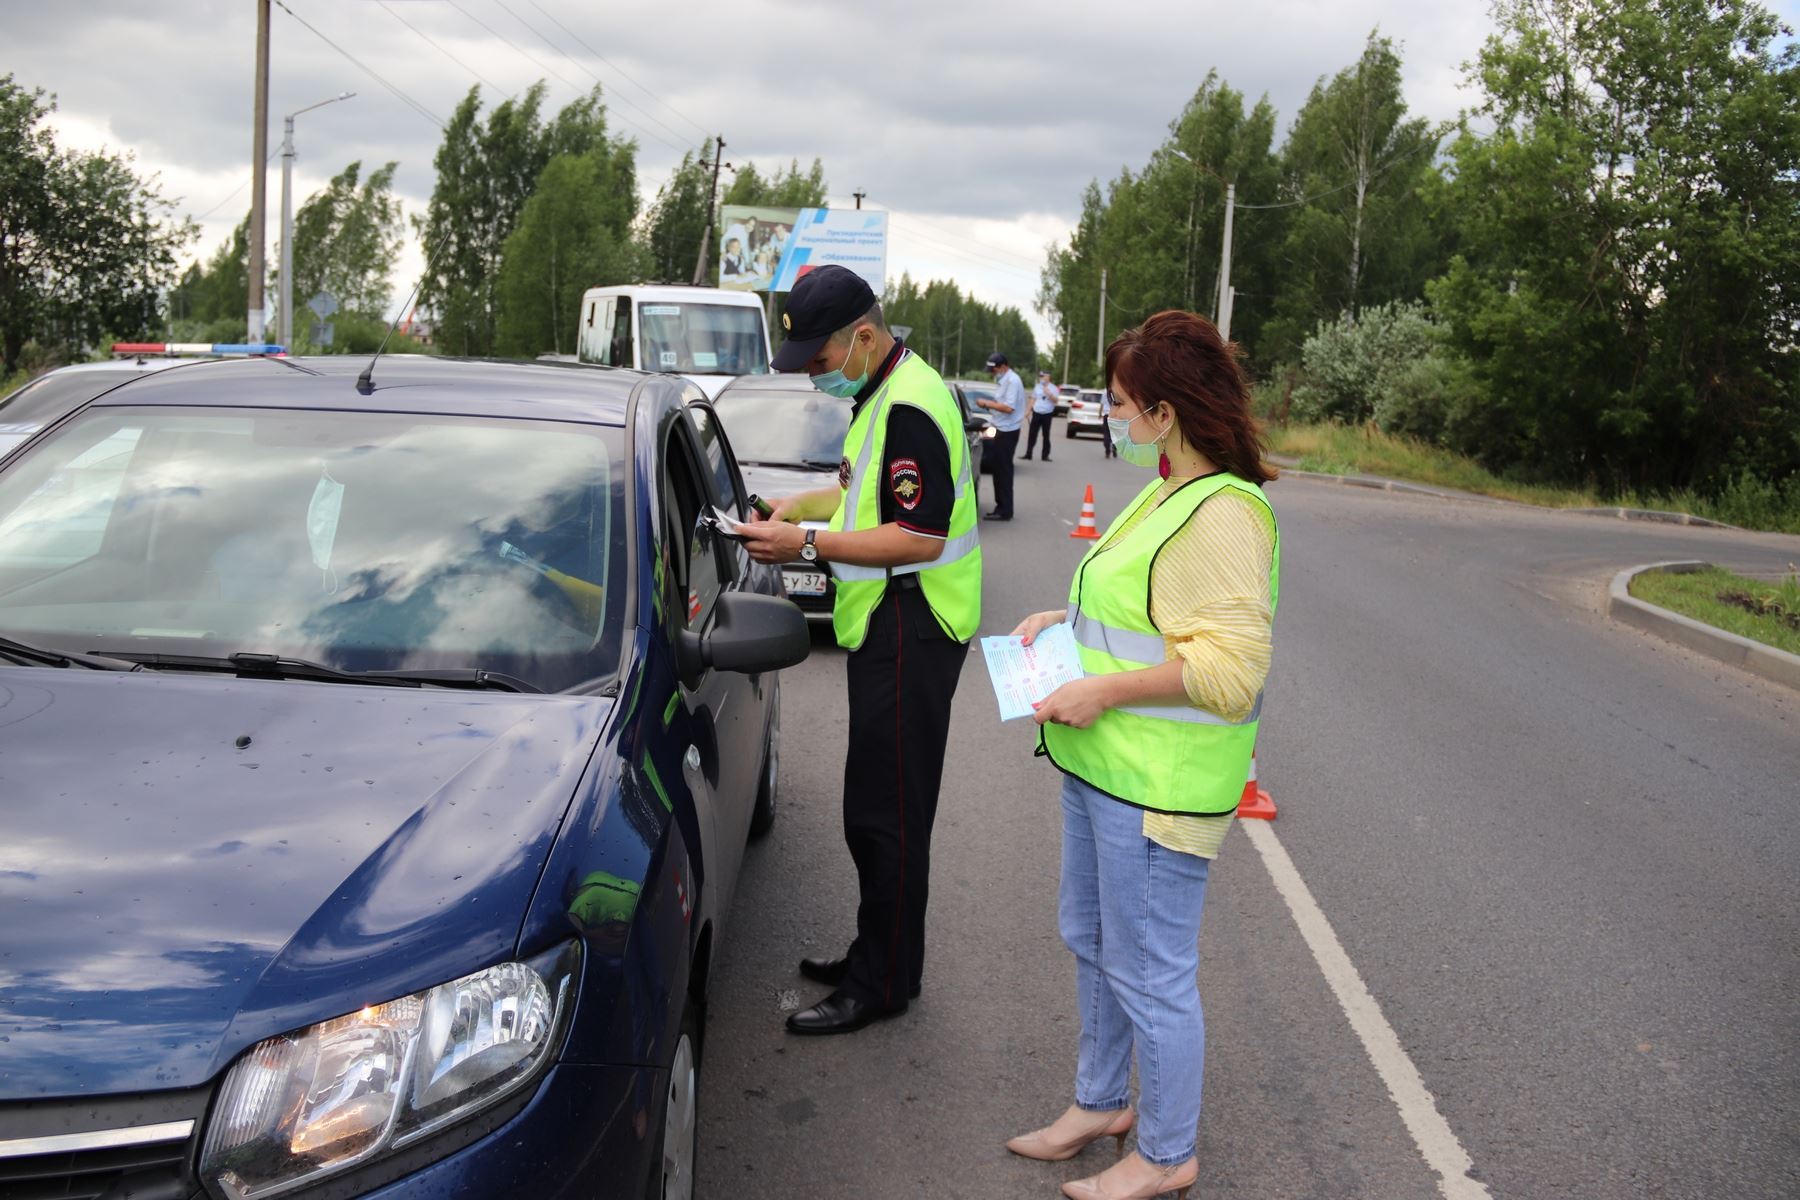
691, 760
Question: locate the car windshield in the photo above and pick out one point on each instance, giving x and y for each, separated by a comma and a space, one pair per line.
366, 541
795, 427
703, 339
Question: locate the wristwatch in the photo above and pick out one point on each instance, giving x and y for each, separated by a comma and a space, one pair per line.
809, 551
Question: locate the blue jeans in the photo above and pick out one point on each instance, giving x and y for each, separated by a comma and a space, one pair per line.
1130, 911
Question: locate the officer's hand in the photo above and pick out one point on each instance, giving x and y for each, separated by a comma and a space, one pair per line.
1036, 623
772, 541
1076, 704
782, 508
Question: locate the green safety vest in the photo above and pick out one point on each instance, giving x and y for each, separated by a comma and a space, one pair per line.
1167, 758
952, 581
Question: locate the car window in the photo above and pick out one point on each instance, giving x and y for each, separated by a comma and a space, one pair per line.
693, 557
365, 540
719, 462
619, 350
703, 339
801, 427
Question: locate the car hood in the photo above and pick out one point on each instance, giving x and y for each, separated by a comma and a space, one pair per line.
172, 897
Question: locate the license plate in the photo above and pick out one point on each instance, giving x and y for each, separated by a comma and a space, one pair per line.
804, 583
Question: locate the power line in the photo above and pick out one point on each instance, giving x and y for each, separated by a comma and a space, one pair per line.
948, 232
615, 66
596, 78
238, 191
368, 70
971, 255
549, 70
428, 38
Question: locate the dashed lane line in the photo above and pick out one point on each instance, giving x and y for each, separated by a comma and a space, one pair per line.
1439, 1147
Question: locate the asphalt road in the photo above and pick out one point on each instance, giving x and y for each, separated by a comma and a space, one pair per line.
1559, 853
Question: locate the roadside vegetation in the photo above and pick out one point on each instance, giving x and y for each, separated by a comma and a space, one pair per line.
1585, 291
1768, 612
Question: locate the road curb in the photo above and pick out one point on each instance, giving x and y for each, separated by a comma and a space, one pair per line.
1380, 484
1752, 656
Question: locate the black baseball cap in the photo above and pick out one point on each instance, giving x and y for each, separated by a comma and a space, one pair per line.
997, 360
824, 300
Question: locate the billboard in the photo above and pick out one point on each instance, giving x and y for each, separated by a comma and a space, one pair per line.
768, 249
751, 241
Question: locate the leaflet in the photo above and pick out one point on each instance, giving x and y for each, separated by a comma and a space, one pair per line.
1023, 675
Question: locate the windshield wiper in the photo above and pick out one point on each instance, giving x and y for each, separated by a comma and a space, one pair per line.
23, 652
821, 464
276, 666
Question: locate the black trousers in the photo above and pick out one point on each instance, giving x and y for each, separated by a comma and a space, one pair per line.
1040, 423
901, 682
1003, 447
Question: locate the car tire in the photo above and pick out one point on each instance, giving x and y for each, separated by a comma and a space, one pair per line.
762, 817
1069, 430
678, 1141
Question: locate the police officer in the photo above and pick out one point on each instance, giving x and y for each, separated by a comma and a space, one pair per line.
903, 547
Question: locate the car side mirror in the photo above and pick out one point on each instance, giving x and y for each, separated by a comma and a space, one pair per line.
976, 424
752, 633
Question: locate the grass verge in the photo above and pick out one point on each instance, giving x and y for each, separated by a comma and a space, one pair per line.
1359, 450
1754, 608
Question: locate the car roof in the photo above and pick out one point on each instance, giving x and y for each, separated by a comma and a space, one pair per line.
138, 363
402, 383
678, 293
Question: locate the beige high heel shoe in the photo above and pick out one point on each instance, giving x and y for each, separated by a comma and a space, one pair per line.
1178, 1179
1040, 1145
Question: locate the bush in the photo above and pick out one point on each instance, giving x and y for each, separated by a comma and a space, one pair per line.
1352, 363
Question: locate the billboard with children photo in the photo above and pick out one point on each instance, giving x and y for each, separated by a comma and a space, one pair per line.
751, 242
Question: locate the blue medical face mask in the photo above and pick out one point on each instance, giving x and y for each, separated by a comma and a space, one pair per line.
836, 383
1140, 454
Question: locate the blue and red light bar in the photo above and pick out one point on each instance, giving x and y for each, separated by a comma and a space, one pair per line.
176, 348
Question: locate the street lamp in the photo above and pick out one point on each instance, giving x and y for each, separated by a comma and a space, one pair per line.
1226, 293
287, 215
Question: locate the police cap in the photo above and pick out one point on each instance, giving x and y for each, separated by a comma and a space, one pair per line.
824, 300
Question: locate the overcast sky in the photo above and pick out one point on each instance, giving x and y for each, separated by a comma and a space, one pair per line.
977, 123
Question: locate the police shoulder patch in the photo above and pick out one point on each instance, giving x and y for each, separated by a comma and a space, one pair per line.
905, 481
843, 472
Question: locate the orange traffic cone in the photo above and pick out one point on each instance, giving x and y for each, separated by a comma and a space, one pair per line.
1256, 802
1086, 528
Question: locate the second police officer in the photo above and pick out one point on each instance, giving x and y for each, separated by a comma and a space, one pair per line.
903, 547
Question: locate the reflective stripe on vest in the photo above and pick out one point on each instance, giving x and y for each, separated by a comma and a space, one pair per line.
1147, 650
954, 548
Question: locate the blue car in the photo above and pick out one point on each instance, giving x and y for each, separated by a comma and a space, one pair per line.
377, 756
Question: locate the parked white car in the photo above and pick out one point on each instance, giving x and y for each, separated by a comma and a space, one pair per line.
1085, 414
710, 335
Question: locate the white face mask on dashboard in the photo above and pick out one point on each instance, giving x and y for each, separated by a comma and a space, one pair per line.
322, 516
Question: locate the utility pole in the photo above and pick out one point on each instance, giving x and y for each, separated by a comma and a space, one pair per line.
1224, 312
959, 327
285, 301
1066, 340
711, 200
859, 198
259, 155
1100, 343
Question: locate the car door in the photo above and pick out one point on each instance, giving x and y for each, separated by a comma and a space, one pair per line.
714, 708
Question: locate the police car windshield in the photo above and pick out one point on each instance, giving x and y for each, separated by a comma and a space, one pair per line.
364, 541
801, 427
703, 339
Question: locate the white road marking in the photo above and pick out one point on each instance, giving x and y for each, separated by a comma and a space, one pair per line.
1439, 1147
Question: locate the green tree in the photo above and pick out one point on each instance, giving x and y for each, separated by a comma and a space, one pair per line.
212, 298
1365, 236
575, 233
956, 332
676, 222
784, 188
347, 241
486, 171
1628, 277
86, 245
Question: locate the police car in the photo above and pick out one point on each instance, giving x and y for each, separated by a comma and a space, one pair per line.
52, 395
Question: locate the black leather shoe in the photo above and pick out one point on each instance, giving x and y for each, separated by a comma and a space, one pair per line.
826, 970
839, 1013
997, 515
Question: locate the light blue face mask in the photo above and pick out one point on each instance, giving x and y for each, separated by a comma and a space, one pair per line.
322, 523
836, 383
1138, 454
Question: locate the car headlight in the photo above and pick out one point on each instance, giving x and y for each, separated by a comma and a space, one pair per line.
345, 1091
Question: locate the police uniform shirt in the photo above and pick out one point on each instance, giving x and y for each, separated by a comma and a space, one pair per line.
918, 490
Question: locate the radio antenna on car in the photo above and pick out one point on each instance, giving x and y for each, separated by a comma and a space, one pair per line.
365, 383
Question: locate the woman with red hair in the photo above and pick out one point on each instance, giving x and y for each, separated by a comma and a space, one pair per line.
1173, 610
